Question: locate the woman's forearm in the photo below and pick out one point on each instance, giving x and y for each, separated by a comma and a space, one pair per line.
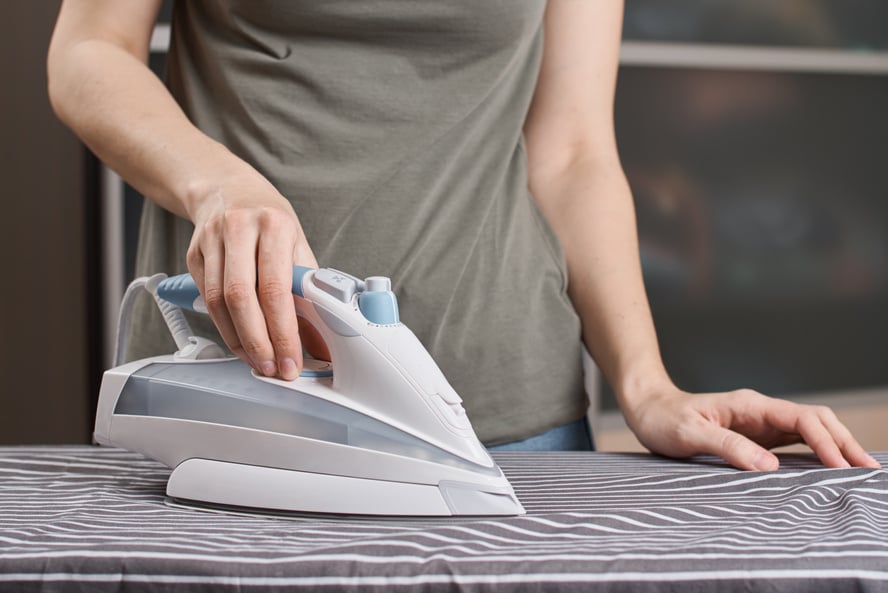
246, 235
126, 116
589, 205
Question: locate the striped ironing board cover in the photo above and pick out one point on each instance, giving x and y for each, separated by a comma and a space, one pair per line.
80, 518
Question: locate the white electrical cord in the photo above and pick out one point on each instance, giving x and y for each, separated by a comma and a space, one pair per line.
123, 318
172, 314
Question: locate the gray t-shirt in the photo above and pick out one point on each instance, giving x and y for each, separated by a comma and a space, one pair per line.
395, 129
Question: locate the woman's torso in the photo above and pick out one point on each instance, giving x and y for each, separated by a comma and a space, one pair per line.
394, 128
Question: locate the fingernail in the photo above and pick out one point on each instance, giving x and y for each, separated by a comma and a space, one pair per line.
765, 462
289, 368
267, 368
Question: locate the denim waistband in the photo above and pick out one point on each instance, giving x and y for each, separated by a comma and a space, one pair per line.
575, 436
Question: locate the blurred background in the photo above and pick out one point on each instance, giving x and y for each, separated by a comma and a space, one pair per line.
753, 134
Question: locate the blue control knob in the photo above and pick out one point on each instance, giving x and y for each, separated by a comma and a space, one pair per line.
377, 302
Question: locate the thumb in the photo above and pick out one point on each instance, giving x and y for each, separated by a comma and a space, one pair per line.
312, 341
736, 449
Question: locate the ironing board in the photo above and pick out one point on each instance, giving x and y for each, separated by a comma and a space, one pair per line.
95, 519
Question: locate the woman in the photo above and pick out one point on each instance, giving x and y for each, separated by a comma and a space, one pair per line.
466, 149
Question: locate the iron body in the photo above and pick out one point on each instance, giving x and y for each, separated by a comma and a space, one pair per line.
378, 431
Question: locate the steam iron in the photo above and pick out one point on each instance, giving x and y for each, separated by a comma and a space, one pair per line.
379, 431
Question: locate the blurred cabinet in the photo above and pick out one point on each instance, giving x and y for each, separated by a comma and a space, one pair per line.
753, 136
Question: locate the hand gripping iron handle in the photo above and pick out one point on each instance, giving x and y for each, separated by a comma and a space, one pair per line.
376, 301
359, 321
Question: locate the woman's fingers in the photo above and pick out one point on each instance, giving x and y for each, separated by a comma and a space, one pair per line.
816, 426
275, 293
241, 239
831, 440
819, 438
240, 262
206, 262
742, 426
733, 447
313, 341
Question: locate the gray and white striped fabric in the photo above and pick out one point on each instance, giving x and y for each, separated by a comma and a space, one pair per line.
83, 518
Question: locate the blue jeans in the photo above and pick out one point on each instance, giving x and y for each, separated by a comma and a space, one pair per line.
575, 436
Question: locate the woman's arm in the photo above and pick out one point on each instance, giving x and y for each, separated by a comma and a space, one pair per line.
100, 86
578, 182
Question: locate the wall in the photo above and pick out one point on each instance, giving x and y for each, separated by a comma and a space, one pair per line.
44, 338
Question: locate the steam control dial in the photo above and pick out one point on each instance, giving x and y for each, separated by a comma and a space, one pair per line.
377, 302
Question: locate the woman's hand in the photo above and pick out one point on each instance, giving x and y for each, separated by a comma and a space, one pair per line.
575, 176
740, 426
246, 239
246, 236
